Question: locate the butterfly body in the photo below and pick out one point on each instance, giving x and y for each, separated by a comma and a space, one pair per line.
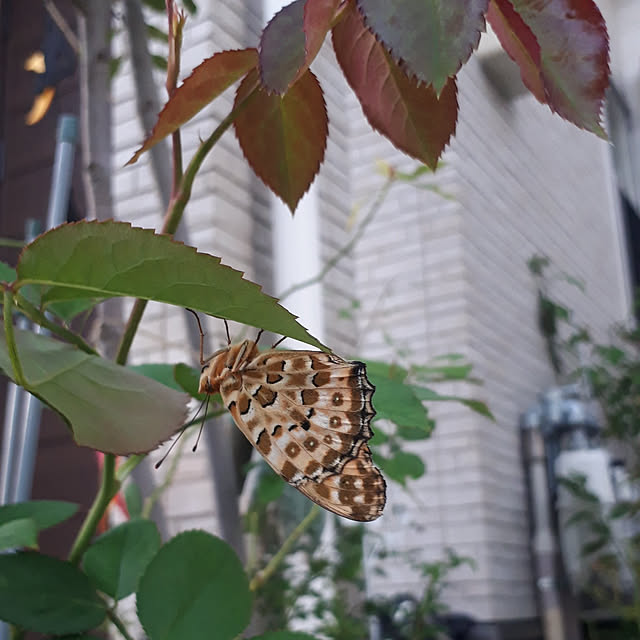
308, 413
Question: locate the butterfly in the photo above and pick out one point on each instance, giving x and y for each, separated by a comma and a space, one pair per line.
309, 414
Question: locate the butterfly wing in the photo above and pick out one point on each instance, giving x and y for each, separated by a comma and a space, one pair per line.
309, 415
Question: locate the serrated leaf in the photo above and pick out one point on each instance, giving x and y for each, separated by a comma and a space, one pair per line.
434, 38
562, 49
207, 81
44, 513
408, 113
282, 48
284, 635
18, 533
119, 557
7, 273
107, 259
133, 499
284, 138
108, 407
395, 400
291, 41
160, 372
429, 395
47, 595
194, 584
401, 466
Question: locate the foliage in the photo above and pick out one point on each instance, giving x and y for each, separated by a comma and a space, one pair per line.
407, 88
194, 582
611, 373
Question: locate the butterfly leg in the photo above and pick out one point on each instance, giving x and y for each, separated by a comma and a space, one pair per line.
202, 361
278, 342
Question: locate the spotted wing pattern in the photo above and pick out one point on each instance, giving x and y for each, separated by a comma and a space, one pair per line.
309, 415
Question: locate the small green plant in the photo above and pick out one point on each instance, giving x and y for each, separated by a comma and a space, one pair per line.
611, 374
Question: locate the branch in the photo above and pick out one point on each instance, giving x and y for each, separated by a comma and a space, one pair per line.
109, 486
262, 576
347, 248
63, 25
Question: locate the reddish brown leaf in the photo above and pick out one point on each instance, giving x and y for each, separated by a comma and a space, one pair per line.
433, 38
282, 48
291, 41
518, 41
407, 112
318, 16
284, 137
207, 81
573, 60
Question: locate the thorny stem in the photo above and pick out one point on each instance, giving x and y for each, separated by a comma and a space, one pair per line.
118, 624
108, 488
262, 576
174, 215
347, 248
10, 337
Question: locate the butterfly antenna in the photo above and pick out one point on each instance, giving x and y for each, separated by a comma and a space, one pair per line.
173, 444
279, 341
258, 336
195, 446
226, 326
186, 426
201, 336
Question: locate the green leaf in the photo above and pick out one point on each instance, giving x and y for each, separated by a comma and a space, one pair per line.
269, 488
118, 558
47, 595
394, 400
162, 373
7, 273
622, 509
415, 433
153, 33
401, 465
107, 259
433, 39
284, 635
159, 62
67, 310
593, 546
584, 516
188, 379
429, 395
44, 513
18, 533
441, 372
109, 408
284, 137
195, 584
133, 499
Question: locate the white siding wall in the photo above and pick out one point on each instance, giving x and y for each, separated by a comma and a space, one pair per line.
432, 276
454, 279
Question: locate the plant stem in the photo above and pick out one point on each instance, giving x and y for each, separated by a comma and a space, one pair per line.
174, 216
108, 488
118, 624
262, 576
34, 314
10, 337
10, 242
344, 250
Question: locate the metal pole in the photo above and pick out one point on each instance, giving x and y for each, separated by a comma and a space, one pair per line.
61, 178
